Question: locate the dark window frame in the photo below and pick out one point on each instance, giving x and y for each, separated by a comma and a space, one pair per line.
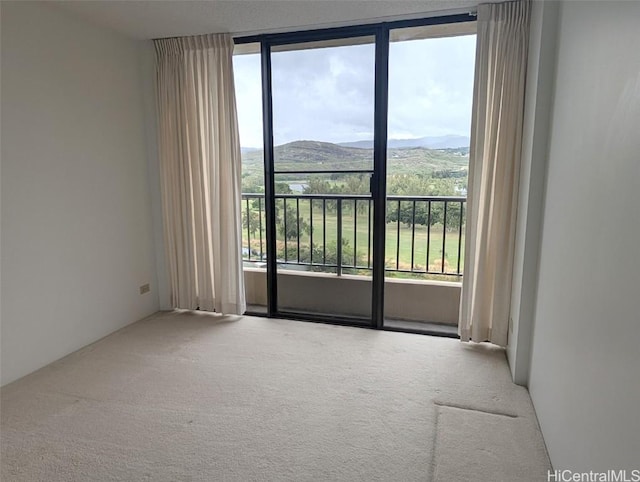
381, 33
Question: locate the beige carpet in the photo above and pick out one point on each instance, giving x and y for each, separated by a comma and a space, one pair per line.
184, 396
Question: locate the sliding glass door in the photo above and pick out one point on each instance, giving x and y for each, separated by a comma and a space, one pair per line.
323, 128
430, 91
343, 114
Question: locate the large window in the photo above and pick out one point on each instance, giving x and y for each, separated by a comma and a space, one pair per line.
365, 172
323, 120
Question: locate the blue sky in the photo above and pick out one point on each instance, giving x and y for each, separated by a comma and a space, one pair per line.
326, 94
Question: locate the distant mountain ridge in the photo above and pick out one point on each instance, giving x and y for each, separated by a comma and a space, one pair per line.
430, 142
450, 141
315, 155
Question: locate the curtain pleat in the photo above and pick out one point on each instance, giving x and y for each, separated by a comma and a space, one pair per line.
200, 171
494, 170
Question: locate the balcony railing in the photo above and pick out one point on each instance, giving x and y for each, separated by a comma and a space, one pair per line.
332, 232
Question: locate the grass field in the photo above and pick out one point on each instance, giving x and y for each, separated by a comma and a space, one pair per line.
356, 232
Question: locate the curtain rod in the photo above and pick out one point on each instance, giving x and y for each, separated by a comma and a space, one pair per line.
472, 12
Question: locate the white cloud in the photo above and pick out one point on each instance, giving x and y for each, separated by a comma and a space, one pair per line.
328, 94
431, 87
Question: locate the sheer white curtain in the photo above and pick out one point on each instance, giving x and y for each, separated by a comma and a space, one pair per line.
494, 160
200, 171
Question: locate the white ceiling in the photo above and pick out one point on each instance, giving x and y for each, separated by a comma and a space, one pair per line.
147, 19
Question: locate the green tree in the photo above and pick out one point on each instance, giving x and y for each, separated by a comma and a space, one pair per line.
289, 223
250, 221
330, 254
252, 183
282, 188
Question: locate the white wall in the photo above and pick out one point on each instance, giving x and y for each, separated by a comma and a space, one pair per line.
585, 366
148, 70
76, 219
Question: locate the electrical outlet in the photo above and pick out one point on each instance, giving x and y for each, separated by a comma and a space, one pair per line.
145, 289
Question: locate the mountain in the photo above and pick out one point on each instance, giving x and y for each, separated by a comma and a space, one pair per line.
314, 155
357, 144
438, 142
302, 155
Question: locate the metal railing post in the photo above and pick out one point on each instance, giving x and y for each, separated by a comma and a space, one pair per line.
339, 247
